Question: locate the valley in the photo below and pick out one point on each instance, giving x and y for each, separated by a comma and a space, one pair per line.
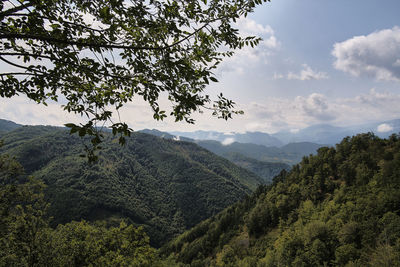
182, 205
164, 185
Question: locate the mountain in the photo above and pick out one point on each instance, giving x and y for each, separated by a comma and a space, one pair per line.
266, 170
319, 133
263, 168
266, 162
340, 207
166, 135
164, 185
257, 138
301, 148
328, 134
6, 125
289, 154
382, 129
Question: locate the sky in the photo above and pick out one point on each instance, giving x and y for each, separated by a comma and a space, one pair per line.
320, 62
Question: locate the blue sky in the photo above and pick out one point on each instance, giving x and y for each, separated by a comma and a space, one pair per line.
335, 62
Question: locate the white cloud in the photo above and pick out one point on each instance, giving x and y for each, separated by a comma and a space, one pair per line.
278, 76
251, 27
20, 110
273, 114
376, 55
248, 56
269, 114
228, 141
271, 43
307, 74
375, 100
316, 106
384, 127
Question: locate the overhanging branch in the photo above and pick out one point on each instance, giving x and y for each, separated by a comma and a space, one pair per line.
77, 43
10, 11
94, 45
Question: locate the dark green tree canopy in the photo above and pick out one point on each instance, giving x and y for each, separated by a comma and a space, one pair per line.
95, 56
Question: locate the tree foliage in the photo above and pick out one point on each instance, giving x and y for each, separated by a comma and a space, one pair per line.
95, 56
340, 207
22, 209
26, 238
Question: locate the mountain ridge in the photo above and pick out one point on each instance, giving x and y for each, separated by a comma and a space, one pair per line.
337, 208
164, 185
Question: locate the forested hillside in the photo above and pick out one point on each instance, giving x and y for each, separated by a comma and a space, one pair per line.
164, 185
264, 169
340, 207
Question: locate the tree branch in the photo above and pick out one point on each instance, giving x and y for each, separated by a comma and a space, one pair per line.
19, 66
77, 43
125, 77
95, 45
25, 54
63, 21
20, 73
10, 11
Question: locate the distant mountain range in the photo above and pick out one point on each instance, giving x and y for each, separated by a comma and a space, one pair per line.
289, 154
266, 162
319, 134
257, 138
328, 134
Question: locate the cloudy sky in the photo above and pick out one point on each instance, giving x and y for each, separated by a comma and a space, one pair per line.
320, 61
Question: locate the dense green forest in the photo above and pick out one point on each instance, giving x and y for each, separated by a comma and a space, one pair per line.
163, 185
26, 238
340, 207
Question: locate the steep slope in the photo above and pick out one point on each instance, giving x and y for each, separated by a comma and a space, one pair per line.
266, 170
338, 208
301, 148
164, 185
6, 126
